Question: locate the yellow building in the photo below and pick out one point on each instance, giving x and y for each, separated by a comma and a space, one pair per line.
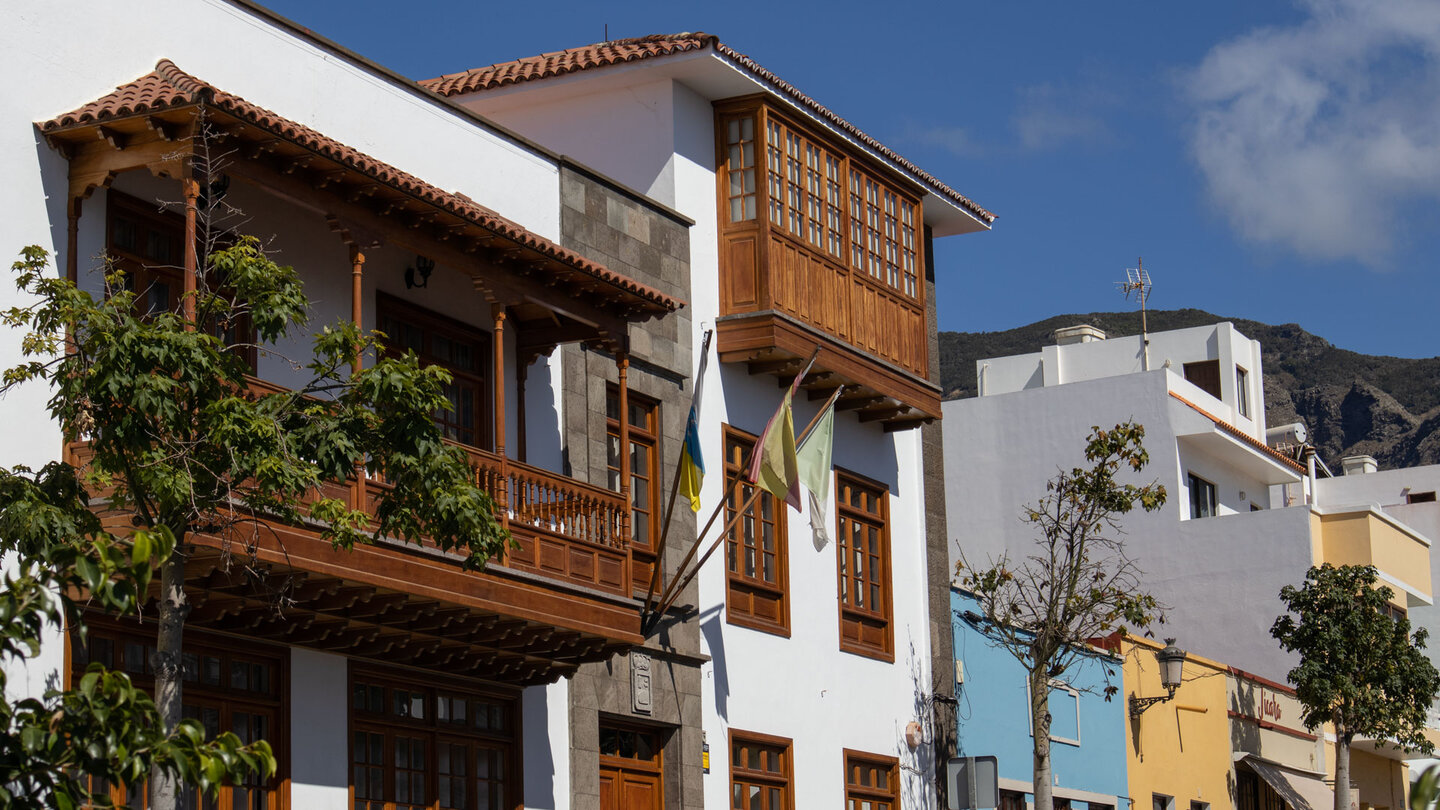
1178, 751
1277, 760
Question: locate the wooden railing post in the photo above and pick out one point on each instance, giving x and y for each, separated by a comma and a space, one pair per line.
192, 262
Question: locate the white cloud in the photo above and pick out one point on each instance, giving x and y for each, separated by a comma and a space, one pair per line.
1047, 117
1315, 136
956, 140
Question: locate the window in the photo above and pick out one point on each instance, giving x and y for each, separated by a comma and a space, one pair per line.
644, 473
756, 550
631, 768
863, 555
740, 167
232, 687
149, 246
426, 745
460, 349
1202, 497
813, 190
1162, 802
1195, 805
1012, 800
1242, 391
871, 782
759, 772
1420, 497
1205, 375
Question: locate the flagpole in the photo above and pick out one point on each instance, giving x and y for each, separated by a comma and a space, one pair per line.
675, 486
756, 491
690, 555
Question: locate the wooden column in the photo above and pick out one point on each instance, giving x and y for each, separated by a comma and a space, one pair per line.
522, 372
502, 481
192, 263
357, 299
357, 314
622, 362
72, 240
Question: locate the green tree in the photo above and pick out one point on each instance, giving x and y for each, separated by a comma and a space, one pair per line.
1360, 668
181, 445
1078, 585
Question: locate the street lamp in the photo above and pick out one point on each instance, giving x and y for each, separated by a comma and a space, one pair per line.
1172, 666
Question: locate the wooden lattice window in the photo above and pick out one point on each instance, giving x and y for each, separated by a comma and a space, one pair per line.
740, 167
424, 745
644, 473
231, 686
863, 562
462, 350
760, 772
757, 593
871, 782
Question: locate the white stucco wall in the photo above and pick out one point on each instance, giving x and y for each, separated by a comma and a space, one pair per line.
1220, 576
1077, 362
319, 730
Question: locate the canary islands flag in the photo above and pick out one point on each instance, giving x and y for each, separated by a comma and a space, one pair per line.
692, 462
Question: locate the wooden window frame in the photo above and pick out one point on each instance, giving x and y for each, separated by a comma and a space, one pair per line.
228, 699
1242, 392
145, 272
861, 250
885, 651
740, 197
738, 584
785, 779
431, 685
861, 793
431, 322
646, 435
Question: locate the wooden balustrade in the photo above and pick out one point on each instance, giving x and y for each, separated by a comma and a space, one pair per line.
563, 528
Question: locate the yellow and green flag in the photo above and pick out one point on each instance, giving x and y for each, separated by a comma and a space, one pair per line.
692, 461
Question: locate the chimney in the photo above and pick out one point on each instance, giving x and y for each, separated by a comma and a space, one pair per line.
1358, 465
1084, 333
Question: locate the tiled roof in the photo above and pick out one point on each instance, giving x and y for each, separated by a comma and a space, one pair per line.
169, 87
603, 54
1243, 436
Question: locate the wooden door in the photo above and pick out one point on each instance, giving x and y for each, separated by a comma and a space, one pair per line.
621, 789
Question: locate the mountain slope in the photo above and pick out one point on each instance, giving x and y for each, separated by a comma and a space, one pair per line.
1386, 407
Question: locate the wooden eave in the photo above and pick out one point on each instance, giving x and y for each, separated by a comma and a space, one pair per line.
771, 342
400, 607
548, 290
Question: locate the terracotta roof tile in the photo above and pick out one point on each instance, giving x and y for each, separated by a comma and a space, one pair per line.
1243, 436
169, 87
620, 51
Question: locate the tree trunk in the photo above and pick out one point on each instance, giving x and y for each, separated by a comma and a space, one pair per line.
164, 790
1342, 768
1040, 730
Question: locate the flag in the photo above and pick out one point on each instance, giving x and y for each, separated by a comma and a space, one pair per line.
813, 463
773, 466
692, 462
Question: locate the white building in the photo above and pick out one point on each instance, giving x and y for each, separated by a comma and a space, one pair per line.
808, 234
1239, 522
702, 191
354, 174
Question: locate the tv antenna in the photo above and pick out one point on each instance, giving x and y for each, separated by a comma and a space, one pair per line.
1137, 281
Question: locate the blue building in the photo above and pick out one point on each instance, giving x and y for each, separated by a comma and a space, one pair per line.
1087, 734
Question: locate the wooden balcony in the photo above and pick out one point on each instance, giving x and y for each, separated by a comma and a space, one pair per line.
820, 248
780, 299
558, 598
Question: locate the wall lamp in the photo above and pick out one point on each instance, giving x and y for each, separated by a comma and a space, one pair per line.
422, 268
1172, 666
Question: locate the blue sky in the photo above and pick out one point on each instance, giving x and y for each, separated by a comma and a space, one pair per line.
1275, 161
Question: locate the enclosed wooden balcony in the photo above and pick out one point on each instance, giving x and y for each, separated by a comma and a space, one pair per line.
819, 248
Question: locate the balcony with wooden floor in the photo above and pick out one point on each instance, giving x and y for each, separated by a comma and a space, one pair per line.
561, 595
821, 249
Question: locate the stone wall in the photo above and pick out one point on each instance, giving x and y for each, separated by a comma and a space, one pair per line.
650, 244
